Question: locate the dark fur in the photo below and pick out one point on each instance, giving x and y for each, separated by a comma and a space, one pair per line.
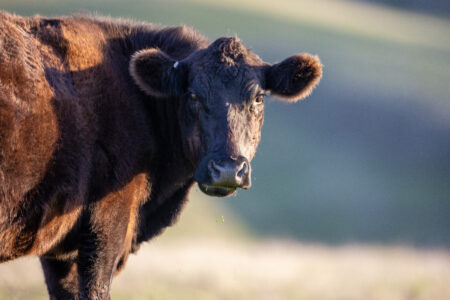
295, 77
95, 160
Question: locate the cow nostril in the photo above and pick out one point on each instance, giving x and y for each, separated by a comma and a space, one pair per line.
242, 170
230, 173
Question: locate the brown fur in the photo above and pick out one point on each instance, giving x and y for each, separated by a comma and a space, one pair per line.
91, 166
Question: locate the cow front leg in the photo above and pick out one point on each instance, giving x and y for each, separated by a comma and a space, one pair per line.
101, 244
96, 262
61, 278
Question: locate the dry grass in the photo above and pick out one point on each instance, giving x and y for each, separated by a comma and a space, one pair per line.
281, 270
208, 256
197, 268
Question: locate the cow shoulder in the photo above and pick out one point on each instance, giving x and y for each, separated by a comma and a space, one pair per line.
28, 125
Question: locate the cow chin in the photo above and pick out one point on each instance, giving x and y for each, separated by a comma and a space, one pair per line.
216, 191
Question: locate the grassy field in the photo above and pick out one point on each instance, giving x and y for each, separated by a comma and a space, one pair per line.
345, 184
211, 257
205, 269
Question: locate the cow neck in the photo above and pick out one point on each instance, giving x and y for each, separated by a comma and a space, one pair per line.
168, 164
163, 116
177, 42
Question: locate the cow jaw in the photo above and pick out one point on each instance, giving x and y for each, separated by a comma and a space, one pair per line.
217, 191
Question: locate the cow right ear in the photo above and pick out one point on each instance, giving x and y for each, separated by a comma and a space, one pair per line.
294, 78
157, 74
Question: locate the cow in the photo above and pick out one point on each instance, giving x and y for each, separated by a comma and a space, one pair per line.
106, 124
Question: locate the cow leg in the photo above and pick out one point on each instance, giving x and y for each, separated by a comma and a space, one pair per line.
99, 252
96, 263
61, 278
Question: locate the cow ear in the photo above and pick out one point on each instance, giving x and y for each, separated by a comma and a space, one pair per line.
157, 74
294, 78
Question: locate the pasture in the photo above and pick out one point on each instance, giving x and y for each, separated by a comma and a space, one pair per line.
213, 257
350, 198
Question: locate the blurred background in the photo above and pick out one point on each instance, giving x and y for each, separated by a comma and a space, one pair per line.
351, 187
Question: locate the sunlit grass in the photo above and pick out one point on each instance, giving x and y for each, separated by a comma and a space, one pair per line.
217, 268
221, 269
201, 258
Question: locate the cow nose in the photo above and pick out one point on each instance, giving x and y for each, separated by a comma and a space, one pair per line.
229, 172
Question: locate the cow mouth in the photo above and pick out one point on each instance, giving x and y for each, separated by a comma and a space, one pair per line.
217, 191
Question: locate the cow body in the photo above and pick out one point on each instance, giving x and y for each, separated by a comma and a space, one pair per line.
90, 164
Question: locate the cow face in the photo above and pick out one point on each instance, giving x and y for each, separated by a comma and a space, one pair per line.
221, 91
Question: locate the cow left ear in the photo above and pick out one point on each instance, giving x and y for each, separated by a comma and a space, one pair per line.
294, 78
157, 74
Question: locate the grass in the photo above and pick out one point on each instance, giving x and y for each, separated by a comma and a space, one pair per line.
206, 268
203, 259
219, 269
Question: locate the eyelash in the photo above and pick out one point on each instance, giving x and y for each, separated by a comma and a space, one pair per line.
259, 99
193, 96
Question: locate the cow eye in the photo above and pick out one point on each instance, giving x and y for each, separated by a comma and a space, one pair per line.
259, 99
194, 96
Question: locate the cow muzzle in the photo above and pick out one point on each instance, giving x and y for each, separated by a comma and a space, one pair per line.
224, 176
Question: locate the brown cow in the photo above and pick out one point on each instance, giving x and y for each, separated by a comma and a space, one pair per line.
106, 124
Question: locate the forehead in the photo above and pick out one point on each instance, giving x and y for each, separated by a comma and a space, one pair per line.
227, 51
226, 65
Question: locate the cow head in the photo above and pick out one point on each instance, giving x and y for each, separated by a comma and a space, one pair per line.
221, 91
